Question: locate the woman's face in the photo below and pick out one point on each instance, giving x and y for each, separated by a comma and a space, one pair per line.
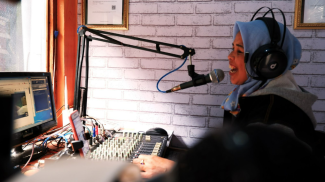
236, 61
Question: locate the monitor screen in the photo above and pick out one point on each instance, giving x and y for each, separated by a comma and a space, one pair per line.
32, 98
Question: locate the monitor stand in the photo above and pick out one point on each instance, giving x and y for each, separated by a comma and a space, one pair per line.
20, 156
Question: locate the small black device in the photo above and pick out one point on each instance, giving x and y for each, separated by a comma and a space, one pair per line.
269, 60
157, 131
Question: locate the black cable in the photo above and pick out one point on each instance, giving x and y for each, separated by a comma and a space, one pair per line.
27, 144
51, 150
59, 109
50, 140
57, 146
58, 143
56, 129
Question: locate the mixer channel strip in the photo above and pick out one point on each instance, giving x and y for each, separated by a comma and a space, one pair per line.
128, 146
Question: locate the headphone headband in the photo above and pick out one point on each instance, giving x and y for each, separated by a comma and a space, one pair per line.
269, 60
283, 17
273, 28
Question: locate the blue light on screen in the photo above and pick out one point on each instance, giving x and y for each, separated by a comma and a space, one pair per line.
42, 104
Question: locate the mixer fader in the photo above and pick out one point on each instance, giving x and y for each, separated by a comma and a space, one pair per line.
128, 145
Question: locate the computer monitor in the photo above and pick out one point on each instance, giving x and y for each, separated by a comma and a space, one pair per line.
33, 111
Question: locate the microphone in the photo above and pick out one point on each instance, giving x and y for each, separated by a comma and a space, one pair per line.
215, 76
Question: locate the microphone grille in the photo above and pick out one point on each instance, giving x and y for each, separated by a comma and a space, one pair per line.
217, 75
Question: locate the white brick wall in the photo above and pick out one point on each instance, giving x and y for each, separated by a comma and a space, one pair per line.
123, 80
189, 121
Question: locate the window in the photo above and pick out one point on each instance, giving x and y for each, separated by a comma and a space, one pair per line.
23, 35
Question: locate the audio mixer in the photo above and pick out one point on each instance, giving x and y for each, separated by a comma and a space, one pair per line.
128, 145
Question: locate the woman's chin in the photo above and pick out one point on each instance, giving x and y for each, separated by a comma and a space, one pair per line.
233, 82
236, 81
236, 78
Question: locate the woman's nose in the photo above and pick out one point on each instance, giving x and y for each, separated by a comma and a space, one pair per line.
230, 56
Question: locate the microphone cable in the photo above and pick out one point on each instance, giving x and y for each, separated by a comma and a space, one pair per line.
80, 27
168, 74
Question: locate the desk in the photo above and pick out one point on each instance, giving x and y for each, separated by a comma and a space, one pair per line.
172, 154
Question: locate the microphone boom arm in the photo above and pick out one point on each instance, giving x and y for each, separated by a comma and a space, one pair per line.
187, 51
80, 93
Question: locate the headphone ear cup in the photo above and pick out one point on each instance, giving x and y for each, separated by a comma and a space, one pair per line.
269, 61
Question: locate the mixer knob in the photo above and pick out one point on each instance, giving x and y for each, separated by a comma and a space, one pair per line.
126, 154
147, 137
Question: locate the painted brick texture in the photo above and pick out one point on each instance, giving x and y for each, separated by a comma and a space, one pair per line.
123, 80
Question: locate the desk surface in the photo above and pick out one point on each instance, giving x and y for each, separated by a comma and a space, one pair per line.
33, 166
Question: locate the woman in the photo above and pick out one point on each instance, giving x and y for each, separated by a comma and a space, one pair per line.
279, 102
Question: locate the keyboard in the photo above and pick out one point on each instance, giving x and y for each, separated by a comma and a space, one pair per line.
127, 146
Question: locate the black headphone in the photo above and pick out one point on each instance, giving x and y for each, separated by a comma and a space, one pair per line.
269, 60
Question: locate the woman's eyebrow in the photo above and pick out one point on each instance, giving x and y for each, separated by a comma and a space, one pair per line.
239, 45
